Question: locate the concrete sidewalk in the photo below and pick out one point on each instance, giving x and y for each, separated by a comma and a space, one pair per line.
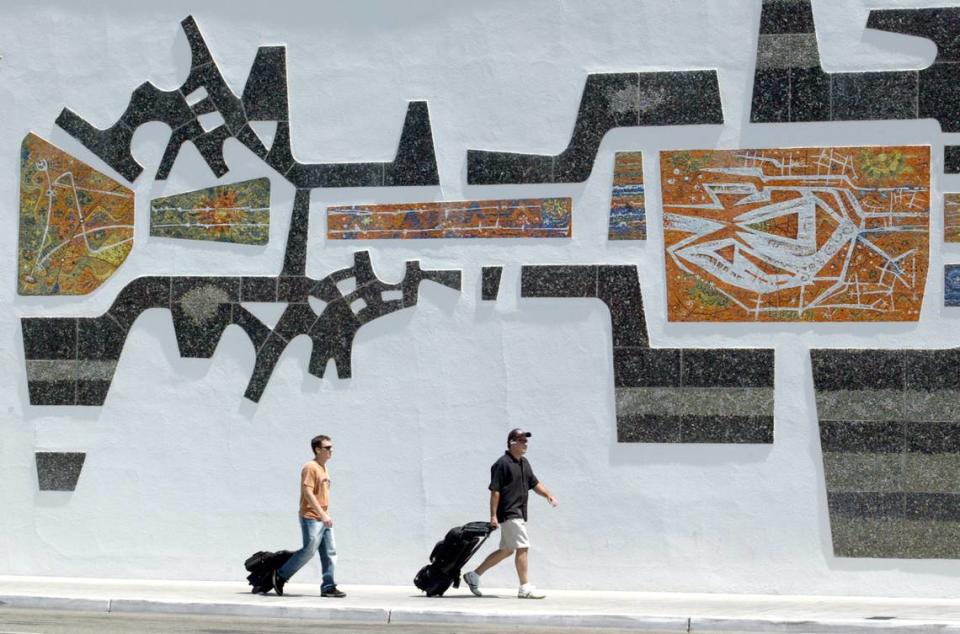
391, 604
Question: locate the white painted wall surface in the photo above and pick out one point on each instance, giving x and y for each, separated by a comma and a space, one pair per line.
184, 477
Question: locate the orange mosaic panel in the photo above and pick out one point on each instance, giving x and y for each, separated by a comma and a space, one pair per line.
76, 224
951, 217
802, 234
527, 218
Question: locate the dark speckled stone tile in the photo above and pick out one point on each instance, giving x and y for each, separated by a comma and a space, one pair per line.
771, 96
558, 281
52, 392
727, 429
58, 471
646, 367
648, 428
265, 93
416, 161
728, 368
859, 437
866, 504
858, 369
886, 95
493, 168
786, 16
933, 438
139, 295
679, 98
258, 289
99, 338
619, 288
951, 159
939, 91
490, 282
49, 337
932, 506
932, 369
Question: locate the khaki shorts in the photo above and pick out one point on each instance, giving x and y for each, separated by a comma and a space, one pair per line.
513, 534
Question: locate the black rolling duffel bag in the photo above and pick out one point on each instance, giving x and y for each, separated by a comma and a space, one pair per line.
261, 565
449, 556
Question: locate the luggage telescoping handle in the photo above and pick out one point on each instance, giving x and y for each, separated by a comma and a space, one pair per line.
472, 553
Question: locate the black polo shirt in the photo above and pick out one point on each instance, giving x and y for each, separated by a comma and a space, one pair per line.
513, 479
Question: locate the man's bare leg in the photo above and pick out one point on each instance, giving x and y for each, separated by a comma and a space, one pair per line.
493, 559
521, 562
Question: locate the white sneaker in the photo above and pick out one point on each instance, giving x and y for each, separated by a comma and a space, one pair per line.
472, 580
529, 592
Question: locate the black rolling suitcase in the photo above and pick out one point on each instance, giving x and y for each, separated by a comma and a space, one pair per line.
261, 565
449, 556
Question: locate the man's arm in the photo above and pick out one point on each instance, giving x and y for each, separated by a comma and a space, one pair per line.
542, 490
315, 505
494, 503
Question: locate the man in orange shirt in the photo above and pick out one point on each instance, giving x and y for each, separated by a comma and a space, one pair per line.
315, 522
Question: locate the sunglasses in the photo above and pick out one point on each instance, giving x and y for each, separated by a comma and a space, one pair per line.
327, 447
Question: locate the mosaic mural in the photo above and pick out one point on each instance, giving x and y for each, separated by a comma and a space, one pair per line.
236, 212
525, 218
611, 100
667, 395
628, 213
890, 435
815, 234
264, 99
951, 217
76, 224
791, 85
58, 471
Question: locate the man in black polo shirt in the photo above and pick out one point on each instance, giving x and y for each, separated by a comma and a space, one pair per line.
511, 478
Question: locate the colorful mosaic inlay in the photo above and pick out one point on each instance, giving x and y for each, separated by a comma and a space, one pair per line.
76, 224
529, 218
628, 216
951, 217
804, 234
237, 212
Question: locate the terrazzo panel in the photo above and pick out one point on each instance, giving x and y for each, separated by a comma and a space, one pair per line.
667, 395
791, 85
890, 435
609, 100
799, 234
628, 215
264, 98
58, 471
76, 223
235, 212
522, 218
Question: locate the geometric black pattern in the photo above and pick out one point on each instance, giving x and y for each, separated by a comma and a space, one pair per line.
70, 361
791, 85
264, 98
58, 471
664, 395
610, 100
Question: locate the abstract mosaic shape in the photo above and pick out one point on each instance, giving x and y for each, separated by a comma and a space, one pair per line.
628, 212
890, 435
490, 282
951, 217
791, 85
610, 100
76, 224
70, 361
525, 218
815, 234
264, 99
58, 471
238, 212
951, 285
667, 395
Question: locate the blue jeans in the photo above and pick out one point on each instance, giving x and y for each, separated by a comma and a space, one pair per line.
316, 538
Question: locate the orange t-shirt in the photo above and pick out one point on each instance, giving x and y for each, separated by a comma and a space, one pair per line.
315, 477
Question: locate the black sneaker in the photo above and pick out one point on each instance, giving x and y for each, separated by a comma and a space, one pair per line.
278, 583
333, 592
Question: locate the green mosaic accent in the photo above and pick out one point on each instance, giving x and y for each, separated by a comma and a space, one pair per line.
236, 212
